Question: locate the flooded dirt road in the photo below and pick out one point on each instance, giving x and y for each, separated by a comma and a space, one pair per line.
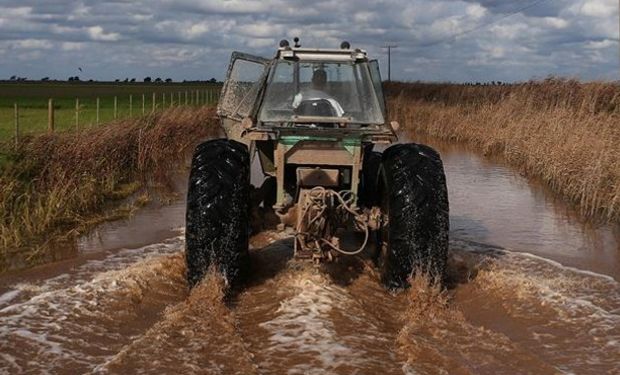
534, 290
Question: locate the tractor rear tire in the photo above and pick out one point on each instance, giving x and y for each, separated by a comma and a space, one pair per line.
217, 217
415, 197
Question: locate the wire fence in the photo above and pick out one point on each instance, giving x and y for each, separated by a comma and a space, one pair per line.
32, 116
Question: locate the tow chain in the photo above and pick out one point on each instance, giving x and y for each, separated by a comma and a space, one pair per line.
322, 211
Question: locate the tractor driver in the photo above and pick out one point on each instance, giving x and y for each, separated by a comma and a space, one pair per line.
317, 93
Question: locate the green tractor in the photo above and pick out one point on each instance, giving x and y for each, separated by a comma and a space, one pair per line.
315, 119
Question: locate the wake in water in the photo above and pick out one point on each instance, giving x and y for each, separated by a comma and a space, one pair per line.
516, 313
70, 323
569, 318
308, 325
197, 335
437, 338
503, 312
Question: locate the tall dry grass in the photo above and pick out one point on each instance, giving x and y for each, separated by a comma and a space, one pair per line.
564, 132
55, 183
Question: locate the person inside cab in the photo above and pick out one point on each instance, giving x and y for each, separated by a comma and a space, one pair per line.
315, 101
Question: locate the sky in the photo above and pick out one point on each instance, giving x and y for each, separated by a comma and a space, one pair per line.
438, 40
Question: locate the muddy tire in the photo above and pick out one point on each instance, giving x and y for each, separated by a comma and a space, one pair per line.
416, 200
369, 187
217, 216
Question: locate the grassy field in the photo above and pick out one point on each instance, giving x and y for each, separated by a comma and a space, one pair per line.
32, 99
564, 132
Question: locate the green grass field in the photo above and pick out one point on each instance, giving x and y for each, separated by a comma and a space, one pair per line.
32, 99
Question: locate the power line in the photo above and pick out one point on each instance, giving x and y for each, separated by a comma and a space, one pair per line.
389, 48
468, 31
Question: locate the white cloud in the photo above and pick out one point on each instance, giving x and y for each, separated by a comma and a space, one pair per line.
143, 17
72, 46
262, 30
32, 44
603, 44
599, 8
198, 29
460, 40
476, 11
97, 33
10, 12
555, 22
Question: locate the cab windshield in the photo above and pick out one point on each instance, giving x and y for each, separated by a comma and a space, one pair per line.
338, 90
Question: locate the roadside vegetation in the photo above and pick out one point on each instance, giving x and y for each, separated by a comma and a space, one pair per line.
60, 184
564, 132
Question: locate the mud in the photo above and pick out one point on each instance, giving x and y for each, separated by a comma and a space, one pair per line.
533, 289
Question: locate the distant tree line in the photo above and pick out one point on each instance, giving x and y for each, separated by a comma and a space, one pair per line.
126, 80
492, 83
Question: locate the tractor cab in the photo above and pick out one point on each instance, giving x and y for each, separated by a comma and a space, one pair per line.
304, 88
322, 88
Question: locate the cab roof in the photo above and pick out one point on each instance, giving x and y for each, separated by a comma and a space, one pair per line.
321, 54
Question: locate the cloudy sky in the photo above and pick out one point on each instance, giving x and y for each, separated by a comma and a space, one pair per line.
438, 40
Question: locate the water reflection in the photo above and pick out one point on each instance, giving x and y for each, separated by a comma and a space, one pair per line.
492, 203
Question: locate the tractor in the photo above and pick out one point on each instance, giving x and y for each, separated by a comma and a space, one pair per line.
315, 120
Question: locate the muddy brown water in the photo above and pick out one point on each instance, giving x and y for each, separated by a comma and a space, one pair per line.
534, 290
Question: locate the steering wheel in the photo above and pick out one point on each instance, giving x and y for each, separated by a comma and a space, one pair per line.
316, 107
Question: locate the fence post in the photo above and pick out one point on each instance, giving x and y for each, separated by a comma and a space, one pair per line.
163, 100
185, 97
16, 125
179, 99
97, 115
50, 115
77, 114
171, 99
130, 105
115, 107
154, 101
143, 106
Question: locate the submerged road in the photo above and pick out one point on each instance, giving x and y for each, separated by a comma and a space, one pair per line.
534, 289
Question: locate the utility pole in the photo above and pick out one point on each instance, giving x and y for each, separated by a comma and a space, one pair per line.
389, 49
